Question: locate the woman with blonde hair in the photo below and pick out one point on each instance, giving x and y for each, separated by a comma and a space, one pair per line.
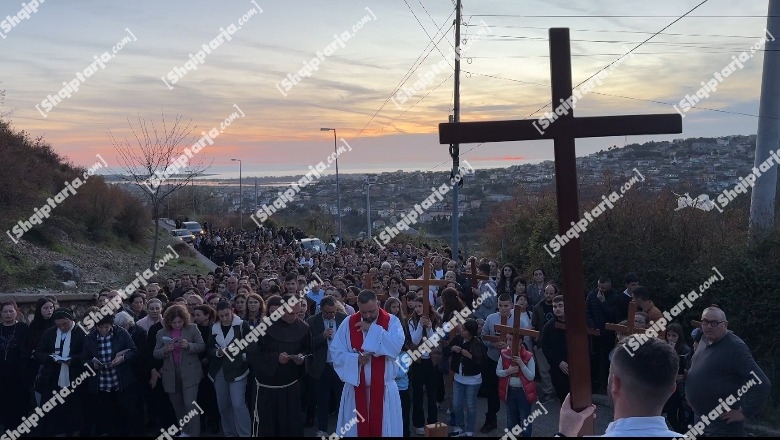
178, 345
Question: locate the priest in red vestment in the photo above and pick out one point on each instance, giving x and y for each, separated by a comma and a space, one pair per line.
364, 350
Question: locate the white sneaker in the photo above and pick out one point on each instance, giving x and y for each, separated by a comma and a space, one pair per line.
419, 431
456, 432
321, 434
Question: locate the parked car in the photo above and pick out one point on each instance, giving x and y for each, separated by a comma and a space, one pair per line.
193, 227
184, 235
317, 246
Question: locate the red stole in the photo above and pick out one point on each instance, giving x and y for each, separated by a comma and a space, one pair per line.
370, 426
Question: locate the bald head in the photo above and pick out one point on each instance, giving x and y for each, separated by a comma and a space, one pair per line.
714, 324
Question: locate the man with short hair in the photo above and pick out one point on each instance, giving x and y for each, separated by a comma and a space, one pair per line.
364, 350
720, 369
553, 343
631, 282
640, 383
231, 288
601, 308
229, 375
540, 316
489, 377
323, 326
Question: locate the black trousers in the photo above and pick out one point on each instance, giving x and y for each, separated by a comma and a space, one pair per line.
560, 382
327, 386
116, 413
406, 406
279, 411
423, 375
490, 382
599, 360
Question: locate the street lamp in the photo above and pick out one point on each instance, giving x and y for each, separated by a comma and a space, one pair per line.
338, 187
240, 192
369, 182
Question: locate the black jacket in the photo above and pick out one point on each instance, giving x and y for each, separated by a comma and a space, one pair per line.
473, 366
120, 340
316, 364
48, 376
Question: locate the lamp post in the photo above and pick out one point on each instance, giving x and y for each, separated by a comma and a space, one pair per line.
369, 182
338, 187
240, 192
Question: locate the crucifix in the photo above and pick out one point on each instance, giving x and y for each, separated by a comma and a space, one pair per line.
474, 276
426, 282
499, 337
563, 131
368, 284
516, 332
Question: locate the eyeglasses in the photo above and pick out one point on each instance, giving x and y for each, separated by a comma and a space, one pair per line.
707, 322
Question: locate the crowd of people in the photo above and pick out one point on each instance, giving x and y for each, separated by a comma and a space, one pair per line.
168, 352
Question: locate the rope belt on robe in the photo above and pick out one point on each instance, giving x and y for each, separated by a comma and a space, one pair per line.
370, 426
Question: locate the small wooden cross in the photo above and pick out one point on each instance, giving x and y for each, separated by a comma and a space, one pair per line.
474, 276
426, 284
368, 284
516, 331
627, 329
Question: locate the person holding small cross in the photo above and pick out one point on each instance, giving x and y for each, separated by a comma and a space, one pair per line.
516, 386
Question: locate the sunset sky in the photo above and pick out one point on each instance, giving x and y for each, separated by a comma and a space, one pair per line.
282, 134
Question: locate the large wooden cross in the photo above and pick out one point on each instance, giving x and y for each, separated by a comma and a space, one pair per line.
516, 332
426, 282
563, 131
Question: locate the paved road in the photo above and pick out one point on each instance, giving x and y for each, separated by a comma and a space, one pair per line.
201, 258
543, 426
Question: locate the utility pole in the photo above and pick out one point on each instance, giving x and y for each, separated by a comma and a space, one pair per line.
762, 203
368, 209
455, 148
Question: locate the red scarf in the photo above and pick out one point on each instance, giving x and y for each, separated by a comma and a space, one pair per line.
370, 426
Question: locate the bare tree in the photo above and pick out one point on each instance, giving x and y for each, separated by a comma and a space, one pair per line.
152, 156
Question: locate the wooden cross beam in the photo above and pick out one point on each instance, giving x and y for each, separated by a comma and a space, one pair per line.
516, 331
500, 337
426, 282
627, 329
563, 131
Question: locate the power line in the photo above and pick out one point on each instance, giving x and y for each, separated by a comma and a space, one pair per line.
406, 76
426, 33
621, 16
613, 62
624, 32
